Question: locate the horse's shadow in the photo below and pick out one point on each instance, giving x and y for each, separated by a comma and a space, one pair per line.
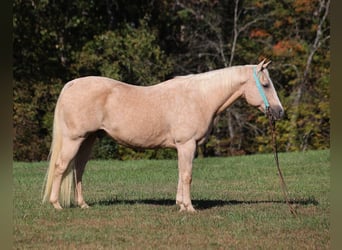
203, 204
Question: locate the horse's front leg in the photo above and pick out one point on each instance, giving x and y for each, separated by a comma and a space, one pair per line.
186, 152
179, 197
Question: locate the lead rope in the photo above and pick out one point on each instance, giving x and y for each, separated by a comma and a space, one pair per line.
275, 152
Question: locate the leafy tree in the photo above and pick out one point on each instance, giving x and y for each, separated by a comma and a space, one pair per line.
32, 120
130, 54
304, 71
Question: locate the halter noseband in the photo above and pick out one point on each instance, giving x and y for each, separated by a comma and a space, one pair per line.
261, 89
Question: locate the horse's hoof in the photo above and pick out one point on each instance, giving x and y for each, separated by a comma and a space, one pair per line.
191, 209
57, 206
182, 209
84, 206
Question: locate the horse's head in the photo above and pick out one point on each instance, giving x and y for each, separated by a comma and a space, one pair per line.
260, 92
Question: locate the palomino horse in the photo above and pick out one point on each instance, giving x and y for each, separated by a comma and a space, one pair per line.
177, 113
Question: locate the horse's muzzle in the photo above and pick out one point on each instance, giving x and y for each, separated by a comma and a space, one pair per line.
277, 112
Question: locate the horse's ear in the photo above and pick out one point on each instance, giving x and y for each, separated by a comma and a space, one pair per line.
266, 64
260, 66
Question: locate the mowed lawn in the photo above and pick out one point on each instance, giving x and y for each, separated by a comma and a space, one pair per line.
238, 200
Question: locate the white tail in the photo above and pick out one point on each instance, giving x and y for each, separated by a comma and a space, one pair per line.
68, 180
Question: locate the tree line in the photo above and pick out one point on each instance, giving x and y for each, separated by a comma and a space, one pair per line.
145, 42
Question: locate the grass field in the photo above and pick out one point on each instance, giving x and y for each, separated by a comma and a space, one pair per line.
238, 200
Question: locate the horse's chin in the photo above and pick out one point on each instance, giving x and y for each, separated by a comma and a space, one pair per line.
262, 109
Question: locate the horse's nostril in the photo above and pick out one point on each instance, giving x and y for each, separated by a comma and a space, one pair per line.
278, 112
281, 113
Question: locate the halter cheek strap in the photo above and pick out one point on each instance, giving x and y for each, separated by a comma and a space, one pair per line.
261, 89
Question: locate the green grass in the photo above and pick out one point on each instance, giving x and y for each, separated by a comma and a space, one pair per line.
238, 199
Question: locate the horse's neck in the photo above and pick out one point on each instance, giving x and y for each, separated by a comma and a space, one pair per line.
224, 87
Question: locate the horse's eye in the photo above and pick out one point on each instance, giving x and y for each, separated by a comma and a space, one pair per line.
265, 84
264, 81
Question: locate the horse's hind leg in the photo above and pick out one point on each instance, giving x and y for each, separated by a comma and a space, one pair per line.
80, 163
68, 152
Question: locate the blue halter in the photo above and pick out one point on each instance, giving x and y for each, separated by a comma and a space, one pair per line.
261, 89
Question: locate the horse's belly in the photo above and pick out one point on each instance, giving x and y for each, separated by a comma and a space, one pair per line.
141, 140
140, 135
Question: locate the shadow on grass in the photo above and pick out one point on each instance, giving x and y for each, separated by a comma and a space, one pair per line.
203, 204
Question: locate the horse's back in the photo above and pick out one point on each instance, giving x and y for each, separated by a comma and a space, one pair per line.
91, 83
